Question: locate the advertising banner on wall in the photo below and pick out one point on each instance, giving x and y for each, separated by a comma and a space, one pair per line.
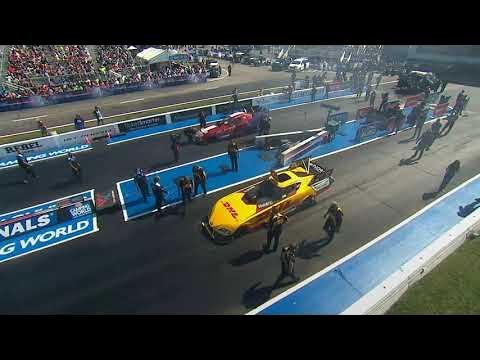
45, 225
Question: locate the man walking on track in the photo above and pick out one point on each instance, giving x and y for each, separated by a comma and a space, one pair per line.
74, 165
23, 163
233, 154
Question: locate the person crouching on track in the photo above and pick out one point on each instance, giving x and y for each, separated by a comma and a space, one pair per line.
334, 220
74, 165
199, 178
159, 192
142, 183
23, 163
275, 227
287, 260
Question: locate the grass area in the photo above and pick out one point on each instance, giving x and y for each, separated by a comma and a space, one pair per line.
453, 287
112, 119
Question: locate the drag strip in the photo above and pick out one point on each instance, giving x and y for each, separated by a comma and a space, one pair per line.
164, 264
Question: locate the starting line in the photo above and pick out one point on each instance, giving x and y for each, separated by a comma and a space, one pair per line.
253, 164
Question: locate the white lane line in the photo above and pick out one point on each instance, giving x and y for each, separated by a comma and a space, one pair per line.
359, 250
47, 158
129, 101
30, 118
156, 108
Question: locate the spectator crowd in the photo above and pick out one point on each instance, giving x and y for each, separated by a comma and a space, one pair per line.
48, 70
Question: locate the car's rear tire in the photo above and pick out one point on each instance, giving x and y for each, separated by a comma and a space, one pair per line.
223, 240
309, 201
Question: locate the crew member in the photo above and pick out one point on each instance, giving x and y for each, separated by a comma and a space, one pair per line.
275, 227
290, 92
436, 129
451, 119
337, 213
199, 178
203, 119
23, 163
314, 92
233, 154
159, 192
175, 146
229, 69
399, 118
43, 129
235, 98
74, 165
78, 122
98, 115
372, 98
186, 189
141, 181
267, 126
384, 101
423, 143
287, 258
420, 120
450, 171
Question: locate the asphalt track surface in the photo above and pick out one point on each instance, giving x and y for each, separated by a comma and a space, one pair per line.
164, 265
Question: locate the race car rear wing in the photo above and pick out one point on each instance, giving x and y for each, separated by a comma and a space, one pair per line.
311, 166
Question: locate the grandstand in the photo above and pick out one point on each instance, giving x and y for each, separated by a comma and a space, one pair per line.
47, 70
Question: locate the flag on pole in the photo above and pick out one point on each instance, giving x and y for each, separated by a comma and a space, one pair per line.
342, 57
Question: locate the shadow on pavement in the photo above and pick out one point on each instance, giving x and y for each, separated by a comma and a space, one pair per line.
464, 211
256, 296
307, 250
430, 195
404, 162
12, 183
248, 257
65, 183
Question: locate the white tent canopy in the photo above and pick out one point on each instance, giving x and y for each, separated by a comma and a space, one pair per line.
154, 56
131, 47
151, 55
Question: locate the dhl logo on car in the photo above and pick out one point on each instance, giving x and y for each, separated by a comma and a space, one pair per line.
230, 209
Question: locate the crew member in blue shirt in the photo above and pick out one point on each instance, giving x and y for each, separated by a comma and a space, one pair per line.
74, 165
159, 192
142, 183
23, 163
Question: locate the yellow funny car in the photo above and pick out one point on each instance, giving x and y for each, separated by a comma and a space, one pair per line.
251, 207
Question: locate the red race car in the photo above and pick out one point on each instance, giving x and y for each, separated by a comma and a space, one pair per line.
236, 124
